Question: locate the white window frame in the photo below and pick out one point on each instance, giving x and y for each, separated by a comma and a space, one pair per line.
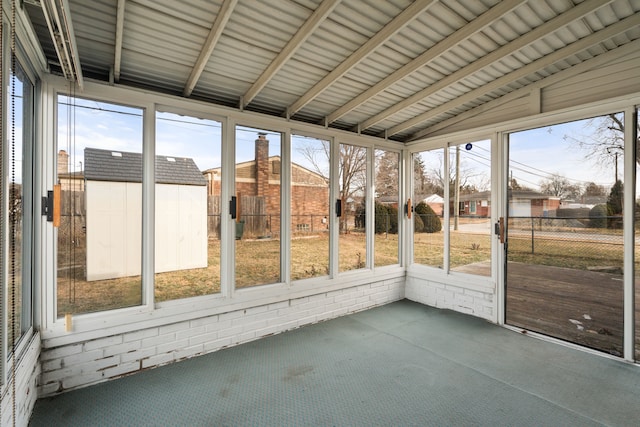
91, 325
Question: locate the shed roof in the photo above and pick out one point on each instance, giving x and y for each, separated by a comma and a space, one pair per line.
434, 198
124, 166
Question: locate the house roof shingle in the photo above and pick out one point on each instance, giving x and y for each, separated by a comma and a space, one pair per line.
123, 166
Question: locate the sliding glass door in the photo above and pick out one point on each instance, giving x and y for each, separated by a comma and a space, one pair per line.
564, 251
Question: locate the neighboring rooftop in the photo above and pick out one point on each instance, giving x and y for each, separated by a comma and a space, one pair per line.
123, 166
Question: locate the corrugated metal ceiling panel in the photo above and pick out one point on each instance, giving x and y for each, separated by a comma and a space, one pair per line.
162, 40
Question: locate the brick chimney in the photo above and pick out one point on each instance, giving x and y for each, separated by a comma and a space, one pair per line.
262, 164
63, 162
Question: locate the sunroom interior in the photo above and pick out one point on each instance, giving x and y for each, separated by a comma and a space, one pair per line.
263, 166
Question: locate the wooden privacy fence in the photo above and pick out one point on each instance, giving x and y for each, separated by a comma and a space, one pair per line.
252, 213
72, 217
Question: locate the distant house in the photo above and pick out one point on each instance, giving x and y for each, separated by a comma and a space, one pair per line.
436, 203
388, 201
113, 194
69, 181
528, 203
522, 203
476, 204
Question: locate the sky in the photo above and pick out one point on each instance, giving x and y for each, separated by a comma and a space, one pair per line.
119, 128
535, 154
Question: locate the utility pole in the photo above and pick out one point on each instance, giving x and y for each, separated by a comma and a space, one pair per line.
456, 199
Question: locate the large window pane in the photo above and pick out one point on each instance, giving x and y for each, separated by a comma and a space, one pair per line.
565, 243
353, 182
387, 176
309, 207
18, 187
637, 242
257, 191
187, 213
428, 199
470, 209
100, 235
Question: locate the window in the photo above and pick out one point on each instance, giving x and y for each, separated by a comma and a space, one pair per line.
387, 181
353, 184
187, 212
470, 226
99, 169
429, 207
258, 207
309, 207
17, 188
636, 135
564, 272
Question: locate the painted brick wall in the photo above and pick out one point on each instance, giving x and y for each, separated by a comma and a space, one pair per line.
477, 302
85, 363
27, 372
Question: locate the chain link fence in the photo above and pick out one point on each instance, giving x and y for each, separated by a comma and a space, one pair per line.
585, 243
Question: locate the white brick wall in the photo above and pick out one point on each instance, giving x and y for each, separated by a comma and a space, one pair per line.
458, 298
81, 364
27, 372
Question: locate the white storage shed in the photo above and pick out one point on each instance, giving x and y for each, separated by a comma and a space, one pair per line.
114, 203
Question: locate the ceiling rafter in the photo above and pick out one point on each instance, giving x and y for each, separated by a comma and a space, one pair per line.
399, 22
558, 55
436, 50
567, 73
60, 25
117, 62
311, 24
537, 33
226, 9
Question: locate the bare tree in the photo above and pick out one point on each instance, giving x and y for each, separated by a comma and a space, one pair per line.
605, 142
423, 186
470, 180
353, 178
594, 190
560, 186
352, 171
387, 173
318, 156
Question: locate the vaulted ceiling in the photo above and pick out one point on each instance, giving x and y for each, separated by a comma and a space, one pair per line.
388, 68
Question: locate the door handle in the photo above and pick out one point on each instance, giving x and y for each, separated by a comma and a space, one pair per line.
501, 229
233, 205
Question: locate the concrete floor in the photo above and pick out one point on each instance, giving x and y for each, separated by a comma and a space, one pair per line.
400, 364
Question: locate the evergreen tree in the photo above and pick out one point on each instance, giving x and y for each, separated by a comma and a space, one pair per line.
614, 202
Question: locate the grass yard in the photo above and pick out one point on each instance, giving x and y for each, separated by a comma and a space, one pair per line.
466, 248
258, 263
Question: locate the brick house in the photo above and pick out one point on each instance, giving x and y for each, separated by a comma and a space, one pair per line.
258, 187
524, 203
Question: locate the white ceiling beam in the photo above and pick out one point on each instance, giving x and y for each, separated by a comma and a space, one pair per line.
117, 62
399, 22
533, 89
310, 25
584, 43
58, 17
207, 49
436, 50
72, 43
548, 27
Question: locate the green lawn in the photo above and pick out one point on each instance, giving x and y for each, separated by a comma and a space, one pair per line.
258, 263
